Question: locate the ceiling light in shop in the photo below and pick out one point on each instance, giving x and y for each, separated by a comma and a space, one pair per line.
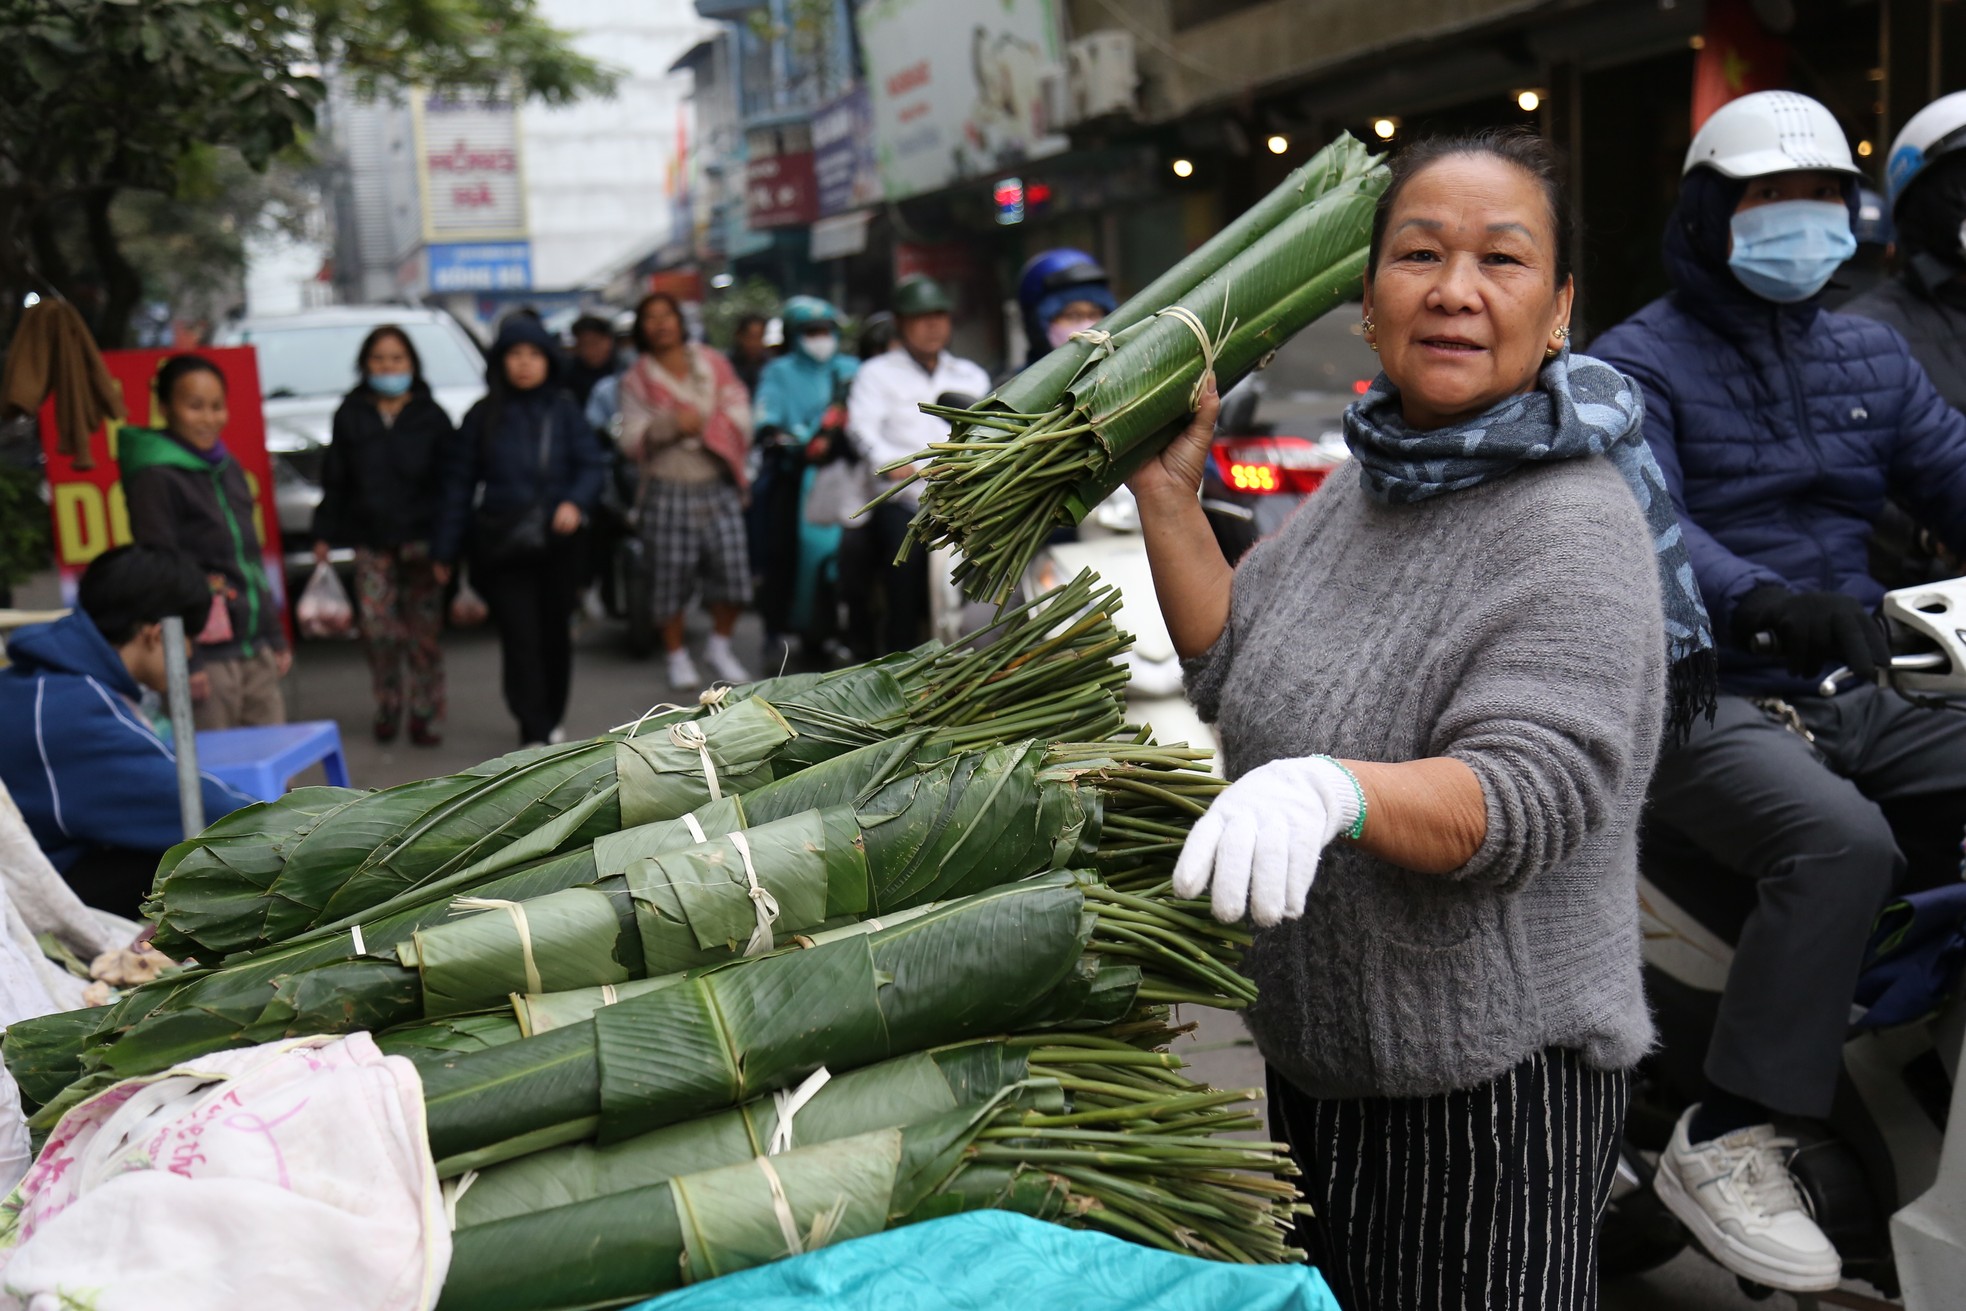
1864, 148
1278, 143
1385, 128
1184, 168
1529, 101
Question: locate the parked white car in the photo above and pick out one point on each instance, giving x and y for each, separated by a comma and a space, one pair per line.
307, 364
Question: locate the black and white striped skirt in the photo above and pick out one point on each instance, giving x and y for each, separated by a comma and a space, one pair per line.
1485, 1198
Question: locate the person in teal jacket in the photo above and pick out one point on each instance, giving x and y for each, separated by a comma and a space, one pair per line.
799, 412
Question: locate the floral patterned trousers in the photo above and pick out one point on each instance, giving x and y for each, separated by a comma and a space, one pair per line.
401, 605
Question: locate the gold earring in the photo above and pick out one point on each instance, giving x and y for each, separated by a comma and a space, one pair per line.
1562, 335
1366, 329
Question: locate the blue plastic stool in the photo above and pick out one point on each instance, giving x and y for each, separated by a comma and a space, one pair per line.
259, 761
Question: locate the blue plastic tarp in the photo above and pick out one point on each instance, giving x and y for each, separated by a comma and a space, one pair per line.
991, 1260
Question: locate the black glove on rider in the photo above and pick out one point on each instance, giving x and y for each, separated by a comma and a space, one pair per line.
1813, 629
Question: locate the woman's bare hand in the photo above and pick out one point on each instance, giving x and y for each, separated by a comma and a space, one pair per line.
566, 518
689, 420
441, 572
1177, 470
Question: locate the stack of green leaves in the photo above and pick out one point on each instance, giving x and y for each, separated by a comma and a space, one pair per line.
330, 859
608, 1226
1059, 438
369, 851
932, 829
1035, 954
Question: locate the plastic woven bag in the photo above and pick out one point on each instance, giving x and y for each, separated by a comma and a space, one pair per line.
325, 610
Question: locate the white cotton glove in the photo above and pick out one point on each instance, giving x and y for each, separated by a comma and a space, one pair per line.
1259, 844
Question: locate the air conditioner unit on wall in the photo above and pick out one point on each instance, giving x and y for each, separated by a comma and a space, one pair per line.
1101, 75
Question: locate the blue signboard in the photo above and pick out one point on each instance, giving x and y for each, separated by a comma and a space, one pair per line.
481, 266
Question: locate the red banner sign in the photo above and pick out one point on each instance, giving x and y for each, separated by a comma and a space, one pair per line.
89, 511
780, 191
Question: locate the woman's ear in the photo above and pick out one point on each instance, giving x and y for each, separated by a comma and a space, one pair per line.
1566, 300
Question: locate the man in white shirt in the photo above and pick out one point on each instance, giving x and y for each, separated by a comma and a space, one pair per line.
885, 424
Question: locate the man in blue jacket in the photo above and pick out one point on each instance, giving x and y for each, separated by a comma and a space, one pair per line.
96, 784
1782, 429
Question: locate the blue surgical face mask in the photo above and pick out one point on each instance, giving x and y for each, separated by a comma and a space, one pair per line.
389, 384
1786, 251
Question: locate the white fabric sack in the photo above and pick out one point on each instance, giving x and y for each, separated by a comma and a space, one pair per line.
294, 1176
35, 899
39, 900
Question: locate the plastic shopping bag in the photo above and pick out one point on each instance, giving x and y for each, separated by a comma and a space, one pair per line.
325, 610
468, 609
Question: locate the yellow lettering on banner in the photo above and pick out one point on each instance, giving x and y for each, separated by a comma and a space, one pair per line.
259, 507
81, 528
119, 516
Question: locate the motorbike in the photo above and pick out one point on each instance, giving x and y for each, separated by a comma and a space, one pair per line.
1882, 1176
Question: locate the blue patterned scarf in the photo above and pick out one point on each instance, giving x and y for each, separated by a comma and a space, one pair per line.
1580, 407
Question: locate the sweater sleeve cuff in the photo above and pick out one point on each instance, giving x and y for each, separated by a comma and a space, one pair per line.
1203, 676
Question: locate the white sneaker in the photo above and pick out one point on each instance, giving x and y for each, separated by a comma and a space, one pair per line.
724, 661
682, 672
1736, 1196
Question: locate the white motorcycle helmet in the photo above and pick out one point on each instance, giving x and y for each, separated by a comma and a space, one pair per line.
1938, 129
1770, 132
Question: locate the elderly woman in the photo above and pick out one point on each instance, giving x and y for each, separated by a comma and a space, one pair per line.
1452, 666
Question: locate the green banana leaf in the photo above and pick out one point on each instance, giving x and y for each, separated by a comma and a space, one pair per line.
976, 966
904, 1090
567, 939
245, 849
44, 1053
454, 1035
539, 1013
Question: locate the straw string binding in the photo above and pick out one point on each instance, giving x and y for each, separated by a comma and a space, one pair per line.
762, 902
789, 1102
689, 736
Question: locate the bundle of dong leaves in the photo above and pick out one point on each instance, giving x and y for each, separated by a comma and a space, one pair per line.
1061, 436
828, 956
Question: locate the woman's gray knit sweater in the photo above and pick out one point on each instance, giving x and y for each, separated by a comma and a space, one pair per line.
1516, 627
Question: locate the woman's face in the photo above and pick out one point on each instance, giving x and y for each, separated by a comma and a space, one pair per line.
525, 366
661, 328
196, 409
1464, 300
387, 356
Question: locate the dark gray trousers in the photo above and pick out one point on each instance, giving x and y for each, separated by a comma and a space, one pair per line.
1827, 831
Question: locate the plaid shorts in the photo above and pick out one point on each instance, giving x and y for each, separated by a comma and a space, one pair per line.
695, 533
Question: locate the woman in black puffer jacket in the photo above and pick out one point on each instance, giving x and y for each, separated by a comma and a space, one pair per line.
379, 486
519, 481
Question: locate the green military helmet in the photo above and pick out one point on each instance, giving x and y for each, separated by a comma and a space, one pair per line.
920, 294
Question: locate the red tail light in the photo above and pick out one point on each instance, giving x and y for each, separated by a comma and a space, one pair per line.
1261, 466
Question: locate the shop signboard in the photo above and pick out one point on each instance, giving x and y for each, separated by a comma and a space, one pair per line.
90, 513
956, 87
843, 162
779, 191
480, 266
468, 168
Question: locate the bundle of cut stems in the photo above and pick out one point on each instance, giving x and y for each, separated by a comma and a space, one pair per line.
1040, 452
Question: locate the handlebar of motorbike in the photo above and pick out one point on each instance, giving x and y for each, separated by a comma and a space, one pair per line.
1766, 644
